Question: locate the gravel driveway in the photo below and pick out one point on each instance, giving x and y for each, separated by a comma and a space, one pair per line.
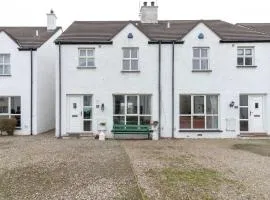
200, 169
42, 167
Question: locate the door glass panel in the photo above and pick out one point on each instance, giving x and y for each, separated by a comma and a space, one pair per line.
87, 100
198, 122
185, 122
198, 104
87, 113
132, 105
87, 125
243, 125
243, 113
243, 100
132, 120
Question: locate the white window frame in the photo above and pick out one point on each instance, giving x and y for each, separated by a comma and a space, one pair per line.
200, 58
5, 64
9, 114
86, 57
204, 114
125, 114
244, 56
130, 59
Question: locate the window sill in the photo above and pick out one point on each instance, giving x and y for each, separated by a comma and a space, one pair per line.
208, 70
5, 75
126, 71
86, 67
200, 131
246, 66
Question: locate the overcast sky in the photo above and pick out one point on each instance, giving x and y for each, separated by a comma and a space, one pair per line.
33, 12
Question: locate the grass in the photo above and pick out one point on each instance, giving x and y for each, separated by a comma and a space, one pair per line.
261, 148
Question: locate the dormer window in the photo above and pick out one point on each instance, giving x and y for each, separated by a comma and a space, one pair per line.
5, 65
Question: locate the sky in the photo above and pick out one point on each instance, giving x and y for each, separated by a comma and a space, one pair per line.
33, 12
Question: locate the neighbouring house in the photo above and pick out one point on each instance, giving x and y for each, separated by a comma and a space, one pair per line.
27, 76
197, 78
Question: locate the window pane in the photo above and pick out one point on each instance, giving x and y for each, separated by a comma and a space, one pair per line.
87, 100
212, 122
240, 52
1, 58
212, 104
87, 125
132, 120
196, 64
134, 64
248, 52
204, 64
134, 53
145, 104
196, 53
198, 122
7, 69
119, 104
243, 125
3, 104
126, 64
90, 52
243, 113
132, 105
185, 122
185, 104
198, 104
126, 53
82, 62
240, 61
90, 62
145, 120
118, 120
15, 105
248, 61
82, 52
204, 53
243, 100
1, 69
87, 113
7, 59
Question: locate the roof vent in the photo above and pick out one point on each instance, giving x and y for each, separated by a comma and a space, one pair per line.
168, 24
37, 33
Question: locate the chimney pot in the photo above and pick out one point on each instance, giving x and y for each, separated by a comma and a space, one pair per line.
145, 3
152, 3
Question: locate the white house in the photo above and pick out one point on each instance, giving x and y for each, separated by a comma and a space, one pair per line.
197, 78
27, 76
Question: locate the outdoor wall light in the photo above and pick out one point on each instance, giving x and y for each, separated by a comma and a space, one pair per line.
102, 107
232, 104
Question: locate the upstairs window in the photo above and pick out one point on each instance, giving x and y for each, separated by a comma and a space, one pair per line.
130, 59
245, 56
5, 64
86, 58
200, 58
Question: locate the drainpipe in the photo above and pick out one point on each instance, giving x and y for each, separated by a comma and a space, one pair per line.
60, 91
173, 89
159, 88
31, 92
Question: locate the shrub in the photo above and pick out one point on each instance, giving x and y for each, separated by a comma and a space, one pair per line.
8, 125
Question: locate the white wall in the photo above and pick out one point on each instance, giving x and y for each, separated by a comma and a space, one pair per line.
18, 84
44, 92
107, 79
225, 79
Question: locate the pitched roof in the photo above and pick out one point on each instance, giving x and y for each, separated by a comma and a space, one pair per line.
104, 31
260, 27
26, 37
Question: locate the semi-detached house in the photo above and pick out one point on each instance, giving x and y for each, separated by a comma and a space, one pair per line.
197, 78
27, 76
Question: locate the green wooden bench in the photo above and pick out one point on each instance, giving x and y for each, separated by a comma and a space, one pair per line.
132, 129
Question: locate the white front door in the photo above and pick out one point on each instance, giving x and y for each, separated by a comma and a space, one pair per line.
75, 118
255, 113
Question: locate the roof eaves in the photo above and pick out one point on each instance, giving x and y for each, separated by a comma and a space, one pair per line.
14, 39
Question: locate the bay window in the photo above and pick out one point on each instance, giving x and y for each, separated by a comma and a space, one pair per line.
199, 112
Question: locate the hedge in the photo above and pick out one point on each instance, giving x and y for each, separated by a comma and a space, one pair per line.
8, 125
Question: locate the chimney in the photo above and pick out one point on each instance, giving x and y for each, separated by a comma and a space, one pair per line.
149, 14
51, 21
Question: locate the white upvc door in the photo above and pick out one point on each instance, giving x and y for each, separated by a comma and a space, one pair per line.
256, 113
75, 118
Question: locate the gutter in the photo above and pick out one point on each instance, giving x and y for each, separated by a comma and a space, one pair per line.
173, 90
159, 88
31, 92
246, 41
60, 91
84, 42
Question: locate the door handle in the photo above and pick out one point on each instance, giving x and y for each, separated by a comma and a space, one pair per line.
81, 113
